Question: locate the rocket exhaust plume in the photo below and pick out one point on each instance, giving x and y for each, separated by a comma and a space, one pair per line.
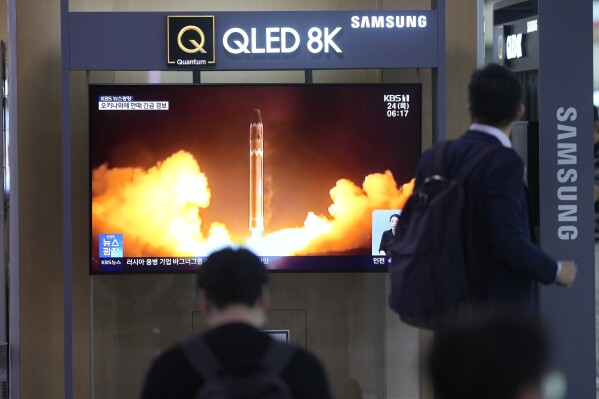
256, 174
160, 210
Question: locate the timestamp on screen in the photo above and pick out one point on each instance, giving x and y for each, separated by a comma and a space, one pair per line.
397, 105
397, 113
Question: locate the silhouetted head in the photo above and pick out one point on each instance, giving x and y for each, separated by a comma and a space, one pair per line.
232, 277
495, 96
496, 355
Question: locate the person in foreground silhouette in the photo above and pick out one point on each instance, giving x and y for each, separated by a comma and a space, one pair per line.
233, 294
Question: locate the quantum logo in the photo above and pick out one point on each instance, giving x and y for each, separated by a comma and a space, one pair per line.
190, 40
196, 46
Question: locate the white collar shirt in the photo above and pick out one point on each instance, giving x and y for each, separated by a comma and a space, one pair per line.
493, 131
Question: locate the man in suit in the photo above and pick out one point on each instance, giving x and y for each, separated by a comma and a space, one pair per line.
233, 294
503, 263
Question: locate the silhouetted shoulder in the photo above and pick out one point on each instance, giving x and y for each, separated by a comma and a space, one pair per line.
306, 376
170, 376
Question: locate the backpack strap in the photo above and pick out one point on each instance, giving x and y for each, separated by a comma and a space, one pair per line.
205, 363
473, 162
439, 158
438, 162
201, 358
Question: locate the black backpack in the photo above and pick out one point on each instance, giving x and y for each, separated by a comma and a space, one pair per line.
248, 380
428, 274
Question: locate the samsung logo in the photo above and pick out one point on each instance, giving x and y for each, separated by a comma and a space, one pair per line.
567, 174
531, 26
388, 22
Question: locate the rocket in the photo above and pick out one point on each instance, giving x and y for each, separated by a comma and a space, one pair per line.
256, 174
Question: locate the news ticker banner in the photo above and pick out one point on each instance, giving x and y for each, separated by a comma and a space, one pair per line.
253, 40
111, 259
347, 263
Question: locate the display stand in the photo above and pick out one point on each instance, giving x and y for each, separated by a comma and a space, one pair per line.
326, 40
553, 58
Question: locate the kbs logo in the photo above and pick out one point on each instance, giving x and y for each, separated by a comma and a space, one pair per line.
111, 245
190, 40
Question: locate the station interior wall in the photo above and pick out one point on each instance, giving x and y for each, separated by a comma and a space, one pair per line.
121, 321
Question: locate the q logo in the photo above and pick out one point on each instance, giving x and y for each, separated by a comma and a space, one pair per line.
196, 46
190, 41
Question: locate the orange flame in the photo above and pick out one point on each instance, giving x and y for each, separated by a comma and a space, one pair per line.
158, 211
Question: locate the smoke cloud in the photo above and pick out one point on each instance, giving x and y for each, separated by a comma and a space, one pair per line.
158, 211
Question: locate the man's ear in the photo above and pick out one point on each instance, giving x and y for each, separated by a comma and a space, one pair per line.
530, 392
264, 300
204, 302
520, 113
472, 116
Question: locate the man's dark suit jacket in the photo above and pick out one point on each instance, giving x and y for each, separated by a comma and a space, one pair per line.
504, 264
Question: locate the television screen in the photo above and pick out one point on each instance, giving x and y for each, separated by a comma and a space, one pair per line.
307, 176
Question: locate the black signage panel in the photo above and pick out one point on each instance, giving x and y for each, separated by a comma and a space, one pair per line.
190, 39
516, 44
254, 40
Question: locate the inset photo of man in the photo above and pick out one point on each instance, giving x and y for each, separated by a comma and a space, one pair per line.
384, 223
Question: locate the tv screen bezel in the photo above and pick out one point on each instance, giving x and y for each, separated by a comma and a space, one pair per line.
339, 269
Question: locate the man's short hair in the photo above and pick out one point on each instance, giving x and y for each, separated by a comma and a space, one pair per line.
232, 276
494, 95
492, 356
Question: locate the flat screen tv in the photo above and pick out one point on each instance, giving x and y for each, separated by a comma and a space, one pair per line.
307, 176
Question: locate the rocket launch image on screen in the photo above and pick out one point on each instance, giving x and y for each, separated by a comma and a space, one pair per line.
293, 172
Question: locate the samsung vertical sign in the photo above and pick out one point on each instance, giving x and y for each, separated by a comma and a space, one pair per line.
567, 173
